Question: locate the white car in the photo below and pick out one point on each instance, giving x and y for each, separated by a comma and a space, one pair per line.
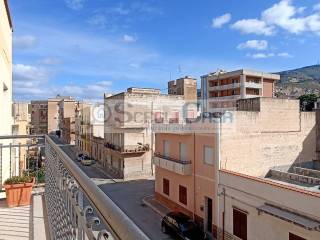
86, 161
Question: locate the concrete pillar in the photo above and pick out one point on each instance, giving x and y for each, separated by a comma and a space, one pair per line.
242, 86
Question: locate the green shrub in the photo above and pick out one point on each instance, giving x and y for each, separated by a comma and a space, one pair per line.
17, 180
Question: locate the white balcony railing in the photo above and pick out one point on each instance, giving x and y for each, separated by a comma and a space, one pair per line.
225, 87
176, 166
253, 85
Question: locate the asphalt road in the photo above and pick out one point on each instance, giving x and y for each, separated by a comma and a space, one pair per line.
127, 195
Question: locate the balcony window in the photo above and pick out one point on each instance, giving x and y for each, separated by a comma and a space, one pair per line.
166, 186
182, 152
158, 118
208, 155
166, 148
183, 195
174, 117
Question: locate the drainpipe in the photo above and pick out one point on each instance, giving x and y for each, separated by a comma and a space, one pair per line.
194, 176
224, 212
217, 168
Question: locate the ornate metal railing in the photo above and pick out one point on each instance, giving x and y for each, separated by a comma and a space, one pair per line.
76, 207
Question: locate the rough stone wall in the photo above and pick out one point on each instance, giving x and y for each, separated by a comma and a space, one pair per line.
277, 135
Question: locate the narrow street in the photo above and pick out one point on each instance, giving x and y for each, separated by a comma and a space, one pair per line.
127, 195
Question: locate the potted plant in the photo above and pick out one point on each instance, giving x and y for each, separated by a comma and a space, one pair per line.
18, 190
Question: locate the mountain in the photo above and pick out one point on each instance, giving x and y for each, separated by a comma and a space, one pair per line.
299, 81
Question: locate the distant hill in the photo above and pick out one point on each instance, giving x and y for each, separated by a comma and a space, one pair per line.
299, 81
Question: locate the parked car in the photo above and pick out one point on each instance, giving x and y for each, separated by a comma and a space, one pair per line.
181, 226
86, 161
79, 157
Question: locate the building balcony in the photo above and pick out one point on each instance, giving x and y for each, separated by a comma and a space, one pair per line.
173, 120
225, 87
72, 206
253, 85
252, 96
177, 166
128, 149
223, 98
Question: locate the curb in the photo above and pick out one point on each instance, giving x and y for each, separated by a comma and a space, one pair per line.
145, 201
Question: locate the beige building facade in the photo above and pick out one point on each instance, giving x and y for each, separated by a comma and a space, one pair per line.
128, 127
266, 139
221, 90
6, 87
21, 126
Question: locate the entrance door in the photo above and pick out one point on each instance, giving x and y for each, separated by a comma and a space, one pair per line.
208, 215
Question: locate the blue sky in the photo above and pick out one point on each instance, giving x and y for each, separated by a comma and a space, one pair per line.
87, 47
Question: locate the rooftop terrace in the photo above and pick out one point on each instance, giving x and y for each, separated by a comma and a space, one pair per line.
305, 175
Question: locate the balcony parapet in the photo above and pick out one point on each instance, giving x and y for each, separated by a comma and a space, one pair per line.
174, 165
140, 148
225, 87
76, 207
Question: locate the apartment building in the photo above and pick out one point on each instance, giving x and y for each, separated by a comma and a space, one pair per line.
67, 111
39, 117
21, 126
6, 87
128, 130
47, 115
221, 90
266, 139
89, 130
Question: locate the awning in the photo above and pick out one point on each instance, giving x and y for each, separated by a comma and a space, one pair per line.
286, 215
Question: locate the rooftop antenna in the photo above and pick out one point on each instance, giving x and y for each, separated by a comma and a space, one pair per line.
179, 69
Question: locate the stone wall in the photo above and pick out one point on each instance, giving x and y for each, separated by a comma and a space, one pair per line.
279, 134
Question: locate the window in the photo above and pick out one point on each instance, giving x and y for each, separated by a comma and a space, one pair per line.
182, 151
208, 155
166, 149
295, 237
240, 224
166, 186
174, 117
158, 117
183, 195
190, 114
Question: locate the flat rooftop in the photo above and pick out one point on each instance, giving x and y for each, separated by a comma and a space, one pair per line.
254, 73
305, 175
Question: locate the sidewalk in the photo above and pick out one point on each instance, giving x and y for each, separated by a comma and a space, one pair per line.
155, 205
23, 223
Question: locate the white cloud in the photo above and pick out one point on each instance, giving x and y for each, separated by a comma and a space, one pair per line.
254, 44
94, 90
283, 15
260, 55
221, 20
29, 81
284, 55
253, 26
24, 42
128, 38
23, 72
75, 4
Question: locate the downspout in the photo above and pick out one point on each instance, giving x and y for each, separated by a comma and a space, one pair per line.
194, 175
224, 212
218, 163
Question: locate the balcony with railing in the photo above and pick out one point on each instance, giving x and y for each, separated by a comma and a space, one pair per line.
174, 165
128, 149
225, 87
74, 207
